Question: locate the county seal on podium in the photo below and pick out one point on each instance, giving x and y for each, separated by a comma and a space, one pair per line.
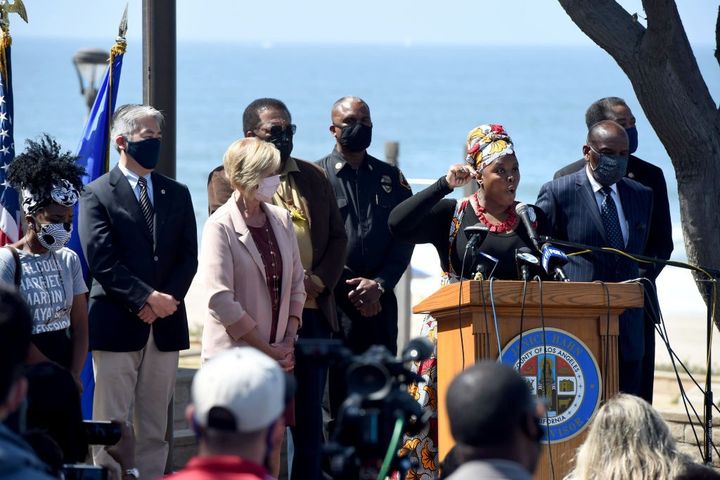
561, 371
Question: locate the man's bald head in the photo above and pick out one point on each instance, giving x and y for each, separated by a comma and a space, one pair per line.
605, 130
348, 104
487, 403
352, 128
606, 152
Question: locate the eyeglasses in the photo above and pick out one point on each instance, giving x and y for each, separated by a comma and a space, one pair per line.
279, 130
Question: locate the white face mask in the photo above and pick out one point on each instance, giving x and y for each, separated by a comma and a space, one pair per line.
54, 236
267, 188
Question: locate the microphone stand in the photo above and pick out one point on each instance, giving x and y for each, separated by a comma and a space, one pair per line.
714, 276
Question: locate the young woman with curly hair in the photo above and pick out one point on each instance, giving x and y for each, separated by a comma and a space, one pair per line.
49, 274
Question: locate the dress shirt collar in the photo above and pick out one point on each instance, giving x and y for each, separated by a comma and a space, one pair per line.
133, 177
339, 163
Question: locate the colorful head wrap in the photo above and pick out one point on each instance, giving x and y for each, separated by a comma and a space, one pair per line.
63, 193
487, 143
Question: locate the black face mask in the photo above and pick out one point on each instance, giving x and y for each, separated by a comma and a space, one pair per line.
356, 138
145, 152
284, 143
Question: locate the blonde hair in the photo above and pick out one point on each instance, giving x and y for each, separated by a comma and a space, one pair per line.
628, 439
249, 160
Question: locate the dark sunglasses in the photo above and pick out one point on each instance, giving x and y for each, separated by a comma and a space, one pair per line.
279, 130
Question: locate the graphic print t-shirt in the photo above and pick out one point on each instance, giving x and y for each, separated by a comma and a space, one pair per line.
49, 281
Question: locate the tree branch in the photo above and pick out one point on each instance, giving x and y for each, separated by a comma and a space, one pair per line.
662, 20
666, 41
608, 25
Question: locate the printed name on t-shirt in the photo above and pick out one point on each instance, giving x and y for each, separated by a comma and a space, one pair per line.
45, 293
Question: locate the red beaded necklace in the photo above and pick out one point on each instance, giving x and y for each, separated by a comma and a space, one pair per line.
507, 225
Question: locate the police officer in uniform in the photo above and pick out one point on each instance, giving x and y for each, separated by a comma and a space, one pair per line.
366, 190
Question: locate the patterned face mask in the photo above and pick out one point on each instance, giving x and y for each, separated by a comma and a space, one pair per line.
54, 236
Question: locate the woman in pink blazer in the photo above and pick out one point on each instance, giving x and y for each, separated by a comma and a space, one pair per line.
249, 261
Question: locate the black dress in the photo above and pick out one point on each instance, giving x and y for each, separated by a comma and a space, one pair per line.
427, 216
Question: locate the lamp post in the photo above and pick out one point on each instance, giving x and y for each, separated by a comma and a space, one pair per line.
90, 64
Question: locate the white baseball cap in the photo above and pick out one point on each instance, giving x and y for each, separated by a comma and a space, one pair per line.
240, 389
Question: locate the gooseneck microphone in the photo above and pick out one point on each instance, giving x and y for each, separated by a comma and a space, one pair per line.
553, 259
526, 261
476, 234
527, 215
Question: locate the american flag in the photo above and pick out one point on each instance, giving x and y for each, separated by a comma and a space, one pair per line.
10, 214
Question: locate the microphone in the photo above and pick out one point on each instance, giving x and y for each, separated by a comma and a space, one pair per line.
417, 350
553, 260
476, 233
525, 261
527, 215
481, 268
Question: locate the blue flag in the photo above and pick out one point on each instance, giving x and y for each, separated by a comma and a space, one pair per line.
92, 154
93, 150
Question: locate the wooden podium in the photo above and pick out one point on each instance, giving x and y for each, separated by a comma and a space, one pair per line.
466, 332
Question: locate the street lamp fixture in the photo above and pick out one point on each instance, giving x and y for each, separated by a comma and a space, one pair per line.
90, 63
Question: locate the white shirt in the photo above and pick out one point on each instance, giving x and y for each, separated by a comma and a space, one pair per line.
133, 178
600, 197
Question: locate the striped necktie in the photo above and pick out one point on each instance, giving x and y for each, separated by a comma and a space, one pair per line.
145, 205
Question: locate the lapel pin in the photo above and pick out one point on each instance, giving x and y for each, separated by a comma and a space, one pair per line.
338, 165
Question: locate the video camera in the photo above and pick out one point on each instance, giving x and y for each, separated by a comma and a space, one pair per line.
378, 407
97, 433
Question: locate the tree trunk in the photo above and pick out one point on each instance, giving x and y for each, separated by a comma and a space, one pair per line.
662, 69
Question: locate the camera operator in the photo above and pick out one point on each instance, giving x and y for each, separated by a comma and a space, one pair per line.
238, 400
17, 460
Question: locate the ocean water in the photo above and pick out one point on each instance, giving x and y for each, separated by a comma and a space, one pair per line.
427, 98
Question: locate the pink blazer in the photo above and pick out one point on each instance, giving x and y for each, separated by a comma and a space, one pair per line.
233, 277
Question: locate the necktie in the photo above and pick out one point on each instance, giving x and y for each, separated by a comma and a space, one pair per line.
611, 222
145, 205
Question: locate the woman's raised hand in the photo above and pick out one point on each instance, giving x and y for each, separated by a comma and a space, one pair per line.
459, 175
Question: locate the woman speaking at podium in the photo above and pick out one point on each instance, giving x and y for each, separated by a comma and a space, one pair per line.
428, 217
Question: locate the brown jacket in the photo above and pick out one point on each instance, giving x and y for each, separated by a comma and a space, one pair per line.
327, 231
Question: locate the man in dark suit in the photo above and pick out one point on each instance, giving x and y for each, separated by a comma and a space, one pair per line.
307, 194
660, 242
138, 232
598, 206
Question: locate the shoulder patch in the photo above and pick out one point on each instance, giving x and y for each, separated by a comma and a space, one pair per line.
386, 183
403, 181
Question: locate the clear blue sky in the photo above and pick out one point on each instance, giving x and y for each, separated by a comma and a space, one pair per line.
469, 22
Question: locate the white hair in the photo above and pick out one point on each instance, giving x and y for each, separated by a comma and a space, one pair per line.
125, 121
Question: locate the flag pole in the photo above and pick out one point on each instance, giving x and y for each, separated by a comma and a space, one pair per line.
117, 49
10, 211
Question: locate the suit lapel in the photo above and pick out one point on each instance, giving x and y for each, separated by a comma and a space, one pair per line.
586, 192
630, 208
302, 192
161, 202
128, 201
245, 236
